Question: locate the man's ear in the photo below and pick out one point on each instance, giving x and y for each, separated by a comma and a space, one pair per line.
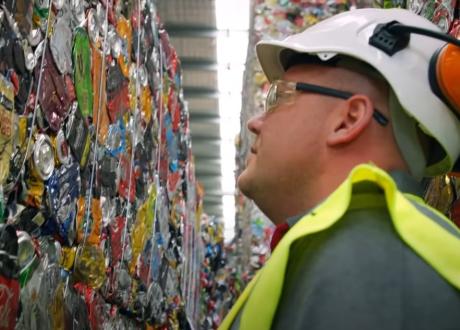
355, 115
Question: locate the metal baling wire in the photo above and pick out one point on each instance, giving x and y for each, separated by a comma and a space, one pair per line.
133, 132
34, 116
95, 151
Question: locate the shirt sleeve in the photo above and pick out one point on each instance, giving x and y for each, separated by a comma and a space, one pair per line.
360, 275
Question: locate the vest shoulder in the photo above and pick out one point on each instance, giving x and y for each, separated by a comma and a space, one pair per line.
365, 239
346, 274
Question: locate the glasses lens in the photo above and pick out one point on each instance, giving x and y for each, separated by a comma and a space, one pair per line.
279, 92
271, 99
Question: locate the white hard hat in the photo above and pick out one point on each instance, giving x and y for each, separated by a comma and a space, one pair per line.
406, 71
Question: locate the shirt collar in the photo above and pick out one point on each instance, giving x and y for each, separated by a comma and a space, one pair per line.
404, 181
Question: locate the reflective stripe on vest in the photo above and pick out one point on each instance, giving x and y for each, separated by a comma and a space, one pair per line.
437, 243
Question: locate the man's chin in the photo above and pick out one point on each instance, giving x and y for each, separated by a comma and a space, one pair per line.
244, 183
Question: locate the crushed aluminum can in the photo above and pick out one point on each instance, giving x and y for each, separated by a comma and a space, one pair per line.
101, 20
116, 228
117, 93
29, 57
455, 29
443, 15
115, 43
92, 26
27, 257
61, 147
89, 267
156, 301
96, 228
9, 301
43, 157
52, 194
123, 44
54, 96
29, 219
68, 257
6, 126
34, 37
78, 8
23, 15
101, 118
127, 185
108, 175
69, 190
82, 71
61, 44
146, 105
58, 4
416, 6
77, 135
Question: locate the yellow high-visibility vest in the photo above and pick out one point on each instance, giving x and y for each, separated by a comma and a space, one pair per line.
438, 245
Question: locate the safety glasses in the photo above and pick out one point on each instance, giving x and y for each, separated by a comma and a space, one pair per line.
283, 92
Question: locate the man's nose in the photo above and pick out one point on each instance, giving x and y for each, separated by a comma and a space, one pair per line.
255, 123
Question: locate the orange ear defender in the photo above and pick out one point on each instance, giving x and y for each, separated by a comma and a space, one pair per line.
444, 75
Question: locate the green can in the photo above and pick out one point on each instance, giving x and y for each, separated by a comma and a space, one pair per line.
82, 71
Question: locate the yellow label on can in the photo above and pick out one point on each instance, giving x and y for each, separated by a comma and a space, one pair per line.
67, 257
6, 126
84, 156
90, 266
146, 104
125, 32
34, 191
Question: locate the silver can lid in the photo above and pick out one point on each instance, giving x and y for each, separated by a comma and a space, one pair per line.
26, 250
43, 156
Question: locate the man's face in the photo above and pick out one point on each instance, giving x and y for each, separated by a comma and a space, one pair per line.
289, 143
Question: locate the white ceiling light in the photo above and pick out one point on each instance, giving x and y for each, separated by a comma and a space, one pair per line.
232, 18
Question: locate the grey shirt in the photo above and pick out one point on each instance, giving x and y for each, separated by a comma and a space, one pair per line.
360, 275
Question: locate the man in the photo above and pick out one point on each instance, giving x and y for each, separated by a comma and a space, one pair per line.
349, 130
